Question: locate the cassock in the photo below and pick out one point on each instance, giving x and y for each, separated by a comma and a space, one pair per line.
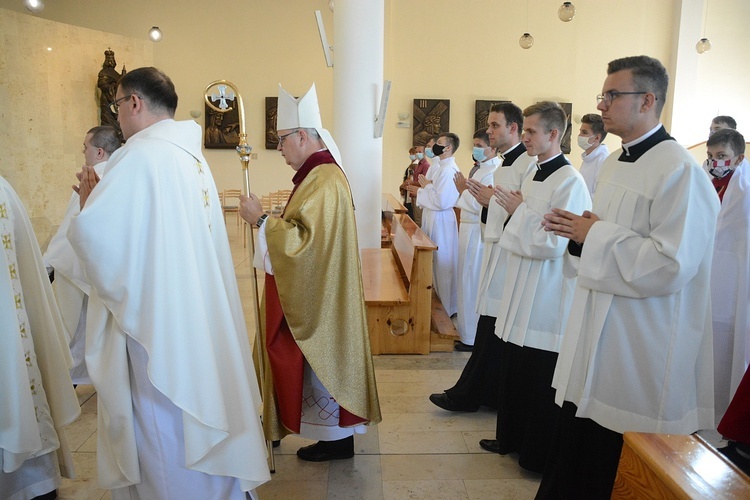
477, 384
592, 164
320, 380
730, 288
470, 250
637, 351
70, 286
534, 305
437, 200
36, 393
166, 341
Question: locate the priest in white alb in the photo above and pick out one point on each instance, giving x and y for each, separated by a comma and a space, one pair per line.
36, 395
166, 341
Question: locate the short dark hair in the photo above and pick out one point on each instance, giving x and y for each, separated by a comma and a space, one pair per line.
482, 135
649, 75
452, 139
104, 137
728, 120
512, 113
153, 86
596, 124
552, 116
728, 137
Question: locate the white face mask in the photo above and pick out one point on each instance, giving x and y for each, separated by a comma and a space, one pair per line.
583, 142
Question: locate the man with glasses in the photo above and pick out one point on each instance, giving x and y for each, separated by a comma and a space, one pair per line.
636, 354
319, 377
166, 346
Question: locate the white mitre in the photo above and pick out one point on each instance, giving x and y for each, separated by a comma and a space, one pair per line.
304, 112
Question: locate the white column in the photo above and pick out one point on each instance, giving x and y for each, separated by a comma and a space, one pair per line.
684, 77
357, 86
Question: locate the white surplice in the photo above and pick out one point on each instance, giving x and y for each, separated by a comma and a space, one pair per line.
439, 223
70, 287
730, 283
535, 300
36, 395
470, 251
591, 165
636, 354
153, 245
490, 285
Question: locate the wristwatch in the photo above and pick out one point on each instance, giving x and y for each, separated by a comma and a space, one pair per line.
261, 220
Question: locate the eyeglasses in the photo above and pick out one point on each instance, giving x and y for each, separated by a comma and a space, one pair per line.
282, 137
611, 95
115, 106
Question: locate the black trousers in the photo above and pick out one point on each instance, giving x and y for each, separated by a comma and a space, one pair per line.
583, 459
526, 412
478, 383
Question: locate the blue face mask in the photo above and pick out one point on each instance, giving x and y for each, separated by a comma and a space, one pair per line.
420, 156
478, 154
429, 153
412, 157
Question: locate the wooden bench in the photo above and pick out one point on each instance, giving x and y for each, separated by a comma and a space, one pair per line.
398, 290
392, 204
675, 466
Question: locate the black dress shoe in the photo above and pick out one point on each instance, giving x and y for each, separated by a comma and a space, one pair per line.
738, 454
322, 451
461, 347
493, 446
443, 401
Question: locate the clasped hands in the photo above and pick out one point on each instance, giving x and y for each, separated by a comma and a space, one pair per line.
87, 180
423, 182
569, 225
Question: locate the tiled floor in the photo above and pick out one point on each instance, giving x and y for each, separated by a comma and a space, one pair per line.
418, 450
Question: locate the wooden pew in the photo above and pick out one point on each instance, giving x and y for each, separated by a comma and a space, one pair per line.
675, 466
393, 204
398, 290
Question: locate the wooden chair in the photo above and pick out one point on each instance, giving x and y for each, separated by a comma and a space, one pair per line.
230, 203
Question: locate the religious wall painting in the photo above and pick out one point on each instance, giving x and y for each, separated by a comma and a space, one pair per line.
272, 138
431, 117
222, 129
565, 143
482, 111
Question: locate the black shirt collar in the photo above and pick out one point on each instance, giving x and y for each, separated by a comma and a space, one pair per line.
549, 167
634, 152
513, 154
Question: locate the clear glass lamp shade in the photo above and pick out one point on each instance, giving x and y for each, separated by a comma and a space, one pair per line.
526, 41
566, 12
703, 45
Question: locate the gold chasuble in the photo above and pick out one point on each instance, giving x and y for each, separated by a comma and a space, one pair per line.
316, 290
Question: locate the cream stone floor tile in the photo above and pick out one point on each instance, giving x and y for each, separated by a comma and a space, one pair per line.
289, 467
89, 406
80, 430
449, 377
390, 404
398, 490
435, 467
367, 443
440, 420
90, 444
80, 489
84, 392
422, 442
85, 465
423, 389
407, 376
358, 478
507, 489
302, 489
433, 361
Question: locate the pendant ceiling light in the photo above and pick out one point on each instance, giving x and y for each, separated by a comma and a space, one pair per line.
566, 12
34, 5
155, 34
526, 41
703, 44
